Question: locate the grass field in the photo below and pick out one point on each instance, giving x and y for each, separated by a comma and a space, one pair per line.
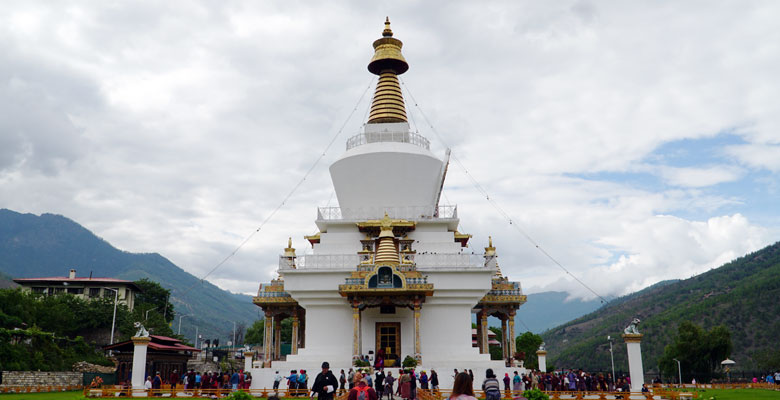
739, 394
43, 396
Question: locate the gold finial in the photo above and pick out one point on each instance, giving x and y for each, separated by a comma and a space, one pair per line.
387, 32
388, 62
289, 251
490, 241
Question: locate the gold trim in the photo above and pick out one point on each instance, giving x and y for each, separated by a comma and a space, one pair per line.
632, 337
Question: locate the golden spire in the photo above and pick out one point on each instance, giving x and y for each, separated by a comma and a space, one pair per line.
388, 62
386, 252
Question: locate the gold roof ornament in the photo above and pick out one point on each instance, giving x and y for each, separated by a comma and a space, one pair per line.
388, 62
289, 251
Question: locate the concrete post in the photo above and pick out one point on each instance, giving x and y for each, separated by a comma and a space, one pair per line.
542, 354
268, 342
248, 356
635, 369
140, 345
512, 340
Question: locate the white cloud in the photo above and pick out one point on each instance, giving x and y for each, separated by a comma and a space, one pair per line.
700, 177
178, 127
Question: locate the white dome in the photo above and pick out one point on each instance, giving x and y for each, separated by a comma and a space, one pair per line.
384, 171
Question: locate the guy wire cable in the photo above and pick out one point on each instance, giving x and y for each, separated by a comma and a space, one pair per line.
294, 189
492, 202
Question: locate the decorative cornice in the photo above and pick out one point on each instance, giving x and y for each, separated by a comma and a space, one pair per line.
632, 337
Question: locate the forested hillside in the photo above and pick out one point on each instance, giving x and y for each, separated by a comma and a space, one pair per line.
742, 295
49, 245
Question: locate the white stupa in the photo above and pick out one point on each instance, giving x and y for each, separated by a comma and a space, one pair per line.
390, 276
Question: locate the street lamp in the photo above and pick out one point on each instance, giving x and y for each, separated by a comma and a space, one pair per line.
612, 357
113, 320
180, 318
679, 370
146, 315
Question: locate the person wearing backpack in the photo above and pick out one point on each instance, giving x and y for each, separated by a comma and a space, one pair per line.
362, 392
490, 386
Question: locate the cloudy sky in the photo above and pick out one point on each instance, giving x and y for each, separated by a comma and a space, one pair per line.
634, 141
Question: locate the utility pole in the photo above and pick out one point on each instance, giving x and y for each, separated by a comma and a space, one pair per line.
196, 336
612, 357
113, 320
234, 337
679, 370
180, 318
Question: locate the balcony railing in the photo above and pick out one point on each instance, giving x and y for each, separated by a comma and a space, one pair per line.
398, 137
350, 262
414, 213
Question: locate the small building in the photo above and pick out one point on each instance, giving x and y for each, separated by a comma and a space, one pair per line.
164, 355
84, 287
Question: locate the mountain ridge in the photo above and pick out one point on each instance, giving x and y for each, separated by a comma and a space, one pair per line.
735, 295
51, 244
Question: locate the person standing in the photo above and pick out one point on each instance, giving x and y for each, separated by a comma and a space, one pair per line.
517, 385
379, 383
462, 388
148, 383
173, 379
506, 384
434, 380
490, 386
292, 383
351, 378
389, 379
277, 379
325, 384
362, 392
342, 381
234, 381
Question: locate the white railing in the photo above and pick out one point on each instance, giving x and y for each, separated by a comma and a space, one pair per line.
449, 260
399, 137
321, 261
414, 213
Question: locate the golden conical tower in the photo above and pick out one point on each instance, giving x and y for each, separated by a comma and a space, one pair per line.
386, 253
388, 62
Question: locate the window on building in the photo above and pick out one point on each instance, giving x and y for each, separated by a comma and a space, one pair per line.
39, 290
109, 293
75, 290
57, 290
94, 292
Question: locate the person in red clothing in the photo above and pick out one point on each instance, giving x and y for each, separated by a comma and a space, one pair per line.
362, 392
174, 379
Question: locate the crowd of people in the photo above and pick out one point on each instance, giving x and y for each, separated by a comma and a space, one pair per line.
190, 380
383, 383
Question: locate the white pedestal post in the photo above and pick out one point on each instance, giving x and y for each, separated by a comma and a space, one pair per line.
139, 361
248, 356
635, 368
542, 354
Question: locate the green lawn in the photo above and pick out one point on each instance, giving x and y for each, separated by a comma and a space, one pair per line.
739, 394
43, 396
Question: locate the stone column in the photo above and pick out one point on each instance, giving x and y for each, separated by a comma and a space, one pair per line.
278, 338
268, 339
635, 369
542, 354
504, 340
140, 345
483, 331
248, 356
512, 341
355, 332
417, 350
294, 338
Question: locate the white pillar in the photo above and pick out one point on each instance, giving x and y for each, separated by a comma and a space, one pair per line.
139, 361
248, 356
542, 354
635, 369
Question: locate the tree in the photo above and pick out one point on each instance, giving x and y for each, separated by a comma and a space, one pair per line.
255, 332
699, 352
528, 343
154, 297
